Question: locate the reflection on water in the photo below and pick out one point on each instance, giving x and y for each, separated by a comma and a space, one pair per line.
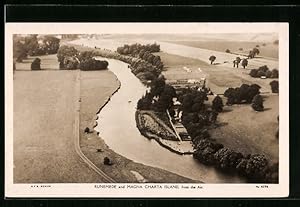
117, 126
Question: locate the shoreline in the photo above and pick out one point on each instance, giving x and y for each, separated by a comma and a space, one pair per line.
148, 135
90, 143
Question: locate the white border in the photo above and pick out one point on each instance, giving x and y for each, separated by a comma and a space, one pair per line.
205, 190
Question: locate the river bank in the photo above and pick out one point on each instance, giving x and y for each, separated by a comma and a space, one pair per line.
96, 89
117, 121
181, 148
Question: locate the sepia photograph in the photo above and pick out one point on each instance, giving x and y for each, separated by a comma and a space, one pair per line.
147, 104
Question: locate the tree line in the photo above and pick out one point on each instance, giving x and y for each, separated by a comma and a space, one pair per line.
264, 71
33, 46
69, 58
143, 52
195, 117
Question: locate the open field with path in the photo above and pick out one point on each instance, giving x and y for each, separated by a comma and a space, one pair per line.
44, 129
270, 50
51, 110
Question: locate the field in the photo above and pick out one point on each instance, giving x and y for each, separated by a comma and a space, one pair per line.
48, 62
241, 128
270, 50
45, 129
44, 113
247, 131
218, 78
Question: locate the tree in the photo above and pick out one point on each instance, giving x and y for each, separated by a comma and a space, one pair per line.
217, 104
257, 103
31, 44
255, 51
251, 54
70, 63
36, 64
227, 51
237, 61
253, 73
52, 44
85, 55
269, 74
274, 86
212, 59
106, 161
244, 62
65, 51
275, 73
227, 159
92, 64
19, 51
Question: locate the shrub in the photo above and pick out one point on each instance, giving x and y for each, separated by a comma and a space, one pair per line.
274, 86
64, 52
255, 167
19, 51
212, 59
93, 64
85, 55
257, 103
31, 44
244, 62
69, 63
51, 44
269, 74
275, 73
253, 73
243, 93
227, 51
217, 104
36, 64
260, 73
227, 159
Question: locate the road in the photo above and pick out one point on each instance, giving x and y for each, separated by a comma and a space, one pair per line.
46, 120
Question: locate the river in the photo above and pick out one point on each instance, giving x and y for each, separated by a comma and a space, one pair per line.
117, 126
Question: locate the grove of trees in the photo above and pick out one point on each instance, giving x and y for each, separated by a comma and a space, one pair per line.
243, 94
253, 53
29, 45
196, 116
69, 58
164, 93
264, 71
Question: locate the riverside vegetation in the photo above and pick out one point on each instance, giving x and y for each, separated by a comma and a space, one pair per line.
197, 113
